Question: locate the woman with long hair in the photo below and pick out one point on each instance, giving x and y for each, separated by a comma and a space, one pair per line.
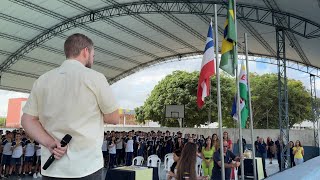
291, 145
176, 157
186, 167
207, 156
215, 141
298, 152
179, 144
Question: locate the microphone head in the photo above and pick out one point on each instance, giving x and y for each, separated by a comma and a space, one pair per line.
67, 138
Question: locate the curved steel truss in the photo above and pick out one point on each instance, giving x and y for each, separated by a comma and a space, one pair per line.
260, 58
296, 24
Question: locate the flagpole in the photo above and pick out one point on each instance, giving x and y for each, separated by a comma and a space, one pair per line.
250, 109
210, 106
218, 93
238, 92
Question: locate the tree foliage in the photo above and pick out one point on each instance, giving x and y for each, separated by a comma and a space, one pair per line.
2, 122
180, 88
265, 101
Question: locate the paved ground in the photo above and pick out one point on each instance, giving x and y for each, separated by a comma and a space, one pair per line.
271, 169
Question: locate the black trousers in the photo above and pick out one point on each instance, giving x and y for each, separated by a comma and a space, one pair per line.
98, 175
120, 156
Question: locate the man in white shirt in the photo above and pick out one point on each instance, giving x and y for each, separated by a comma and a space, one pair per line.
71, 99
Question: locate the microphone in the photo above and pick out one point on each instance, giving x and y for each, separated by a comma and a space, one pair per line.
65, 140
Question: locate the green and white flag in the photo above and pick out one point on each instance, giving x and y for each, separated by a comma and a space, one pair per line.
243, 88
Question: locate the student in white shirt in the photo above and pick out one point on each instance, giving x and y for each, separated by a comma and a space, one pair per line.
29, 153
37, 169
129, 149
119, 149
17, 151
112, 152
7, 153
104, 149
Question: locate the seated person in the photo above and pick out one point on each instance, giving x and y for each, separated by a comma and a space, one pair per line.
186, 167
176, 157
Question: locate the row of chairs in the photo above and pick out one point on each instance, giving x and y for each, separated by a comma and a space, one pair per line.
155, 161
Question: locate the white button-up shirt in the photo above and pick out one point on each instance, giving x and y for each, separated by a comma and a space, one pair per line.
71, 100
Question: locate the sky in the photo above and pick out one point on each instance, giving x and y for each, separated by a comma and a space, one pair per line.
133, 90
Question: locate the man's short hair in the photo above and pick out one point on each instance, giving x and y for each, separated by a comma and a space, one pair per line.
75, 43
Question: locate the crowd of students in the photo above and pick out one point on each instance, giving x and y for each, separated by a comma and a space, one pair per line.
19, 155
119, 148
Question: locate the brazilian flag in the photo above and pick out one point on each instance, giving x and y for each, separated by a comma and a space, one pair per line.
228, 53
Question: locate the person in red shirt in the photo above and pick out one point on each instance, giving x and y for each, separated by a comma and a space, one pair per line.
226, 138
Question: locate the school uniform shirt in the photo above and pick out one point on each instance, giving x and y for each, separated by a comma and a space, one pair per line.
112, 148
104, 145
30, 148
72, 99
129, 147
17, 151
7, 148
119, 144
38, 147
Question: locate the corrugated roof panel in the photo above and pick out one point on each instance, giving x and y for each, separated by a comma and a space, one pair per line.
106, 71
17, 30
113, 61
8, 45
16, 81
3, 57
29, 67
46, 56
173, 28
128, 38
26, 14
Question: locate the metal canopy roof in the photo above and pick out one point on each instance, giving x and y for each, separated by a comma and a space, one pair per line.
130, 35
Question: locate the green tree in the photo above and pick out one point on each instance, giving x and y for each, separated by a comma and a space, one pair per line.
180, 87
264, 90
2, 122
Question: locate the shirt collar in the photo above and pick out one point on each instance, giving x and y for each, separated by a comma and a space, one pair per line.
73, 62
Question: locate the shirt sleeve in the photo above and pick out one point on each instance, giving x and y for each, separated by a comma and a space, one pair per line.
4, 142
105, 96
31, 106
232, 155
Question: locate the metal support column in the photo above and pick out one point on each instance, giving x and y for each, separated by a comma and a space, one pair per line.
283, 98
314, 110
